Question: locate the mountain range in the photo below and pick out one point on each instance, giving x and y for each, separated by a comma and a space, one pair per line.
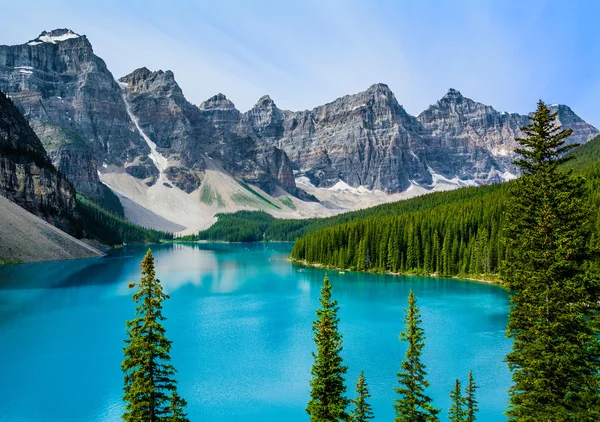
175, 165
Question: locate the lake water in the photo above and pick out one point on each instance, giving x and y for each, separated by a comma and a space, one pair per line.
240, 321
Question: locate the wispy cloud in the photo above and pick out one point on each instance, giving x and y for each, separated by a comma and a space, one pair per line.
304, 53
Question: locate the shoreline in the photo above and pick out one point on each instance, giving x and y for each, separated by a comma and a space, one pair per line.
490, 281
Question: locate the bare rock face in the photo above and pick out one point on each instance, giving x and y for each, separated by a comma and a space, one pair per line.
366, 139
143, 125
27, 176
187, 136
70, 98
369, 140
486, 136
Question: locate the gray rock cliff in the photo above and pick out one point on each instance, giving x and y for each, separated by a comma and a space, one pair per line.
73, 103
88, 122
27, 176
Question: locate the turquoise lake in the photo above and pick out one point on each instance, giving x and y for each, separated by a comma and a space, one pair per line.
240, 321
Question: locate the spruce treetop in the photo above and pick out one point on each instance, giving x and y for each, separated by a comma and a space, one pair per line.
327, 397
150, 390
362, 411
457, 409
553, 320
413, 405
544, 147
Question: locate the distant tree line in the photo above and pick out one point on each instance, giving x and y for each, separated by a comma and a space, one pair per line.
447, 240
256, 226
461, 237
111, 229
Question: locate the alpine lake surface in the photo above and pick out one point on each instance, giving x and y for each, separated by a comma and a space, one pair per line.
240, 318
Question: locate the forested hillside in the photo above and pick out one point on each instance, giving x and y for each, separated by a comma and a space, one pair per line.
112, 229
458, 236
255, 226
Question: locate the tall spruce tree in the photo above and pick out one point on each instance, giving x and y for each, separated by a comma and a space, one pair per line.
413, 405
362, 411
554, 319
327, 396
457, 404
470, 400
150, 389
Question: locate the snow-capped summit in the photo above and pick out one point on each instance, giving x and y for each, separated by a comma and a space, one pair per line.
54, 36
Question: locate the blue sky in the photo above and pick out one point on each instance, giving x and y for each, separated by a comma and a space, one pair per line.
504, 53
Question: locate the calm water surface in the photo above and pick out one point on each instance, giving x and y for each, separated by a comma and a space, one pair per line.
240, 320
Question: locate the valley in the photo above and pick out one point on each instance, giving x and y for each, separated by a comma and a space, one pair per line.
176, 165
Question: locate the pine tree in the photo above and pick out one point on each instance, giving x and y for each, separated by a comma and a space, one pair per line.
413, 405
362, 411
554, 320
470, 400
327, 396
150, 389
177, 408
457, 409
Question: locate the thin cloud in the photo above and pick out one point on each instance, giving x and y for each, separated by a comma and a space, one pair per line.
303, 54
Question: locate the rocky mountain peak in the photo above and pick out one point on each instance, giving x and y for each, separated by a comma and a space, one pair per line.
138, 76
54, 36
143, 79
453, 96
265, 102
582, 131
380, 88
217, 102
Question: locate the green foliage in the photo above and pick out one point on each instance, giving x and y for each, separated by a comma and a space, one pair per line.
256, 194
470, 400
150, 389
210, 196
554, 319
457, 411
362, 411
286, 200
291, 229
6, 261
450, 239
243, 226
413, 405
327, 390
453, 233
111, 229
110, 202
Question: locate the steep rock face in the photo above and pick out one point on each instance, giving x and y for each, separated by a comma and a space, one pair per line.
369, 140
269, 166
27, 176
366, 139
582, 131
144, 125
72, 157
457, 122
190, 137
63, 88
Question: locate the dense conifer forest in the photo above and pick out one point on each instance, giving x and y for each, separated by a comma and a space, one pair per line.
256, 226
459, 237
445, 233
111, 229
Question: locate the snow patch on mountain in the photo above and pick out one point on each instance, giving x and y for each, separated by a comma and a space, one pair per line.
342, 186
159, 160
53, 39
455, 181
303, 180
